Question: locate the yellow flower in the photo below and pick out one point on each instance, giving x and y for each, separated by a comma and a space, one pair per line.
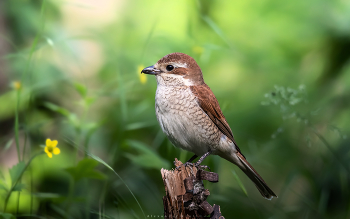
16, 85
51, 147
142, 77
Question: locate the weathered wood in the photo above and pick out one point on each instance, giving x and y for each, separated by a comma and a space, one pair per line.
216, 213
189, 183
185, 193
210, 176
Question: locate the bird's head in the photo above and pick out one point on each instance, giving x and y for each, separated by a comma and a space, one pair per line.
176, 69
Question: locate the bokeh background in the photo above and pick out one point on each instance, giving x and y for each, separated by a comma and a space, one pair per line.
70, 71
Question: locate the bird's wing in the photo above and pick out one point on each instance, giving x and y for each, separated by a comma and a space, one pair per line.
209, 104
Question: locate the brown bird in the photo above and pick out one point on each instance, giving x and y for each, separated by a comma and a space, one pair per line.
190, 115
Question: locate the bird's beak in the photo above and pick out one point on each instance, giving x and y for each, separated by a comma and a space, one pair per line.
151, 70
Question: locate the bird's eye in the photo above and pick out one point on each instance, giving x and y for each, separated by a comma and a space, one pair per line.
169, 67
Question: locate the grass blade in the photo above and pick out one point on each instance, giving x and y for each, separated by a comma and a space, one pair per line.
240, 182
121, 179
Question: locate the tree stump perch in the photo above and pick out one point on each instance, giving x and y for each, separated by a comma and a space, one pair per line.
185, 195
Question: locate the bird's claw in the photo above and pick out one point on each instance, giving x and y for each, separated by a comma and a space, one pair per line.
189, 164
185, 165
203, 167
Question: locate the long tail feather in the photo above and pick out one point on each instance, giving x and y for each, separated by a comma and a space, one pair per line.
265, 191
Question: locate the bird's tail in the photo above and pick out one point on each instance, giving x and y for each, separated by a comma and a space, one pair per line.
265, 191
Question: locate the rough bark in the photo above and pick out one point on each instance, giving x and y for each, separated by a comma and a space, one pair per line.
185, 193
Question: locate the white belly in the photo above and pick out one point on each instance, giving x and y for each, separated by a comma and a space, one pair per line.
183, 121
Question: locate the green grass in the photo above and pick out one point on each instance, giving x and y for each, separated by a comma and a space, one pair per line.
279, 71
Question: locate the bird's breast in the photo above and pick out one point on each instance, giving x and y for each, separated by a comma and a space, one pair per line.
183, 121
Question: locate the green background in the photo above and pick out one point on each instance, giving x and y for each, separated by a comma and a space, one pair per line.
279, 69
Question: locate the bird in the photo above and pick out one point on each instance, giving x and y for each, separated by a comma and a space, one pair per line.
190, 115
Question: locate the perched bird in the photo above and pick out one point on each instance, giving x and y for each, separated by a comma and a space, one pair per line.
190, 115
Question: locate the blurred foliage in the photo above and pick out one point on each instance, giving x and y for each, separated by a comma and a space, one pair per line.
280, 71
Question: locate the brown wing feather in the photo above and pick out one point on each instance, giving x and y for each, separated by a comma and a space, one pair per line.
209, 104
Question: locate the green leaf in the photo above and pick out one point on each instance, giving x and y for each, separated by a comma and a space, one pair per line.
6, 216
85, 169
16, 171
101, 161
74, 120
3, 187
147, 157
91, 127
19, 187
89, 100
81, 89
57, 109
8, 144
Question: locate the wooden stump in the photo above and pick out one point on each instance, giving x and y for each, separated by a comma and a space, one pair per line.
185, 194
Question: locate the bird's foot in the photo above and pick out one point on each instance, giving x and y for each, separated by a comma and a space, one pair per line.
203, 167
188, 164
185, 165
